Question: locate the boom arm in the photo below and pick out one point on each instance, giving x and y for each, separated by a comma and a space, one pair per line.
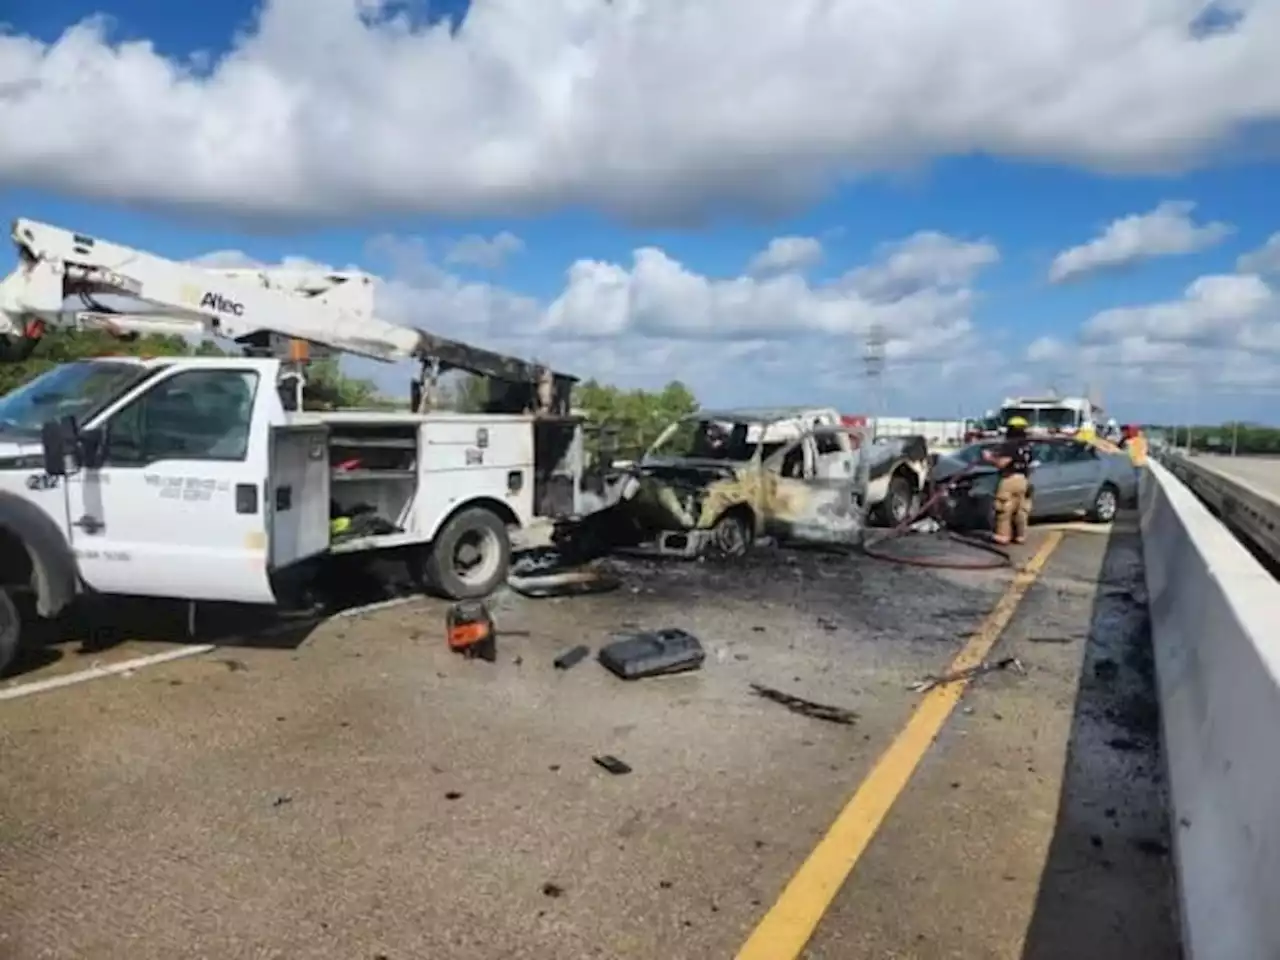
55, 265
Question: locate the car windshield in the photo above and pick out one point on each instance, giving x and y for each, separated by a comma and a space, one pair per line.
79, 390
700, 439
970, 454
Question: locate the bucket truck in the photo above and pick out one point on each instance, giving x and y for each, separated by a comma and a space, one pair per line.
204, 479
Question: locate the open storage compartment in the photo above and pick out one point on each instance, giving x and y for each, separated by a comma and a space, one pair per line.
373, 477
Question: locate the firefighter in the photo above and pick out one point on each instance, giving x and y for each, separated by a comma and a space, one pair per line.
1013, 494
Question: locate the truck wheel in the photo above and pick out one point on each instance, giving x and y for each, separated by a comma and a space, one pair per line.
898, 502
10, 630
471, 556
732, 534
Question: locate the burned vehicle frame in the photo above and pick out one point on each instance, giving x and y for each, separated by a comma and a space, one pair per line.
737, 476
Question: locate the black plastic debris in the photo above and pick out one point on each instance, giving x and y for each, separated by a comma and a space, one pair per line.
571, 658
807, 708
612, 764
652, 653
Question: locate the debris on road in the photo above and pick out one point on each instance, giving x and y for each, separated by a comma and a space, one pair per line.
565, 583
470, 631
612, 764
571, 658
552, 890
968, 673
633, 656
807, 708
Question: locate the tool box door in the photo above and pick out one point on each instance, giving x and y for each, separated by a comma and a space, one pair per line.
298, 493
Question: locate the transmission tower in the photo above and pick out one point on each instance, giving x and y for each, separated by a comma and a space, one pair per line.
873, 368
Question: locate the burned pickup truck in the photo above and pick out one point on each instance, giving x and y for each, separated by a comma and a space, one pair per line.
720, 479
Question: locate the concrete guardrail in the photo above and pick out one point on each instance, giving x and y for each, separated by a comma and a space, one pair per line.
1217, 651
1247, 511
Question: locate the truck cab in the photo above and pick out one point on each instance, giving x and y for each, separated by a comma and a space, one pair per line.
187, 478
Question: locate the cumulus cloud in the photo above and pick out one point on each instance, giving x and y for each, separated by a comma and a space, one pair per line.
661, 109
787, 254
1221, 336
489, 253
1168, 230
735, 340
1264, 260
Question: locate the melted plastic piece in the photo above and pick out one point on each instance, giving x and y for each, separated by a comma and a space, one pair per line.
652, 653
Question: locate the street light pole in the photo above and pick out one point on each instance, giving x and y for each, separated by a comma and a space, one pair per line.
1235, 436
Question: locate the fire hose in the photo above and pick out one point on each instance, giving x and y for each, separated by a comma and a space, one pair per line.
991, 556
995, 556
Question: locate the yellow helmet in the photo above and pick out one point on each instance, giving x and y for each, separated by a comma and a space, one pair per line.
1017, 423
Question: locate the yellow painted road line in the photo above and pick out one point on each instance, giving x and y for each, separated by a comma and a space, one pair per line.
785, 929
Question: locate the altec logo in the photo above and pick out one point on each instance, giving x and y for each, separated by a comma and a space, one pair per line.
220, 304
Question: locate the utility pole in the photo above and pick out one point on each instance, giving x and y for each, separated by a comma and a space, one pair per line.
1235, 436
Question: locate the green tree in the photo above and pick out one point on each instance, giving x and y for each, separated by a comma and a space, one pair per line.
61, 345
636, 417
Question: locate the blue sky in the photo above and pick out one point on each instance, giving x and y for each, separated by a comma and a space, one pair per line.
935, 213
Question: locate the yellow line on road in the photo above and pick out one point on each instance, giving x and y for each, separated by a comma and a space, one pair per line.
785, 929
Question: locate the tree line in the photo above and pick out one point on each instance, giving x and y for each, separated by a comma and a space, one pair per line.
1243, 438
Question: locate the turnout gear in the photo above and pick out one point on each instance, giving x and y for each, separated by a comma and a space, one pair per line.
1013, 493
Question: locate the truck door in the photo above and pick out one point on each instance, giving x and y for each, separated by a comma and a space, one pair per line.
176, 508
809, 504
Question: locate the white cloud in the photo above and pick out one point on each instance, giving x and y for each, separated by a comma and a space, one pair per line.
735, 340
1264, 260
650, 108
787, 254
1221, 339
1168, 230
477, 251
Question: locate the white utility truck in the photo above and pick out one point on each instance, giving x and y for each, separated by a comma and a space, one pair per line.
205, 479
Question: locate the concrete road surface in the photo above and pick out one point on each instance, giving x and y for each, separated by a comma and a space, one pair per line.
1261, 473
368, 794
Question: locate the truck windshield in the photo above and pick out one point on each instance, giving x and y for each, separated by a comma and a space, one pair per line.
79, 389
1045, 418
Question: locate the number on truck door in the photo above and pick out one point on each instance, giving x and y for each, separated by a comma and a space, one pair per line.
175, 509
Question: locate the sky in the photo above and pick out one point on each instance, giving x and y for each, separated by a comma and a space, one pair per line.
740, 194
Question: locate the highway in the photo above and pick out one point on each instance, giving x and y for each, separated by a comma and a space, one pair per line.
362, 792
1243, 492
1261, 473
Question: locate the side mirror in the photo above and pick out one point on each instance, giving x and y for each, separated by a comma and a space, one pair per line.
58, 444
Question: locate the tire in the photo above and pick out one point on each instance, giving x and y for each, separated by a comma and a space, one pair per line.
483, 531
898, 502
732, 534
10, 631
1106, 503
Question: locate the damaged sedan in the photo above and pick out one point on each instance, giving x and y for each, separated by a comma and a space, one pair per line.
720, 480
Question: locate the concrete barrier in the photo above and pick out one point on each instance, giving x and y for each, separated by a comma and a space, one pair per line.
1217, 651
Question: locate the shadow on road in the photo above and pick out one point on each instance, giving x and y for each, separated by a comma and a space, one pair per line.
1107, 887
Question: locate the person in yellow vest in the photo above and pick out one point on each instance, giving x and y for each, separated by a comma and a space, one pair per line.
1136, 444
1086, 433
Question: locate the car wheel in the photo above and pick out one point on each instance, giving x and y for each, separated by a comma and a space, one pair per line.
732, 534
471, 556
1106, 504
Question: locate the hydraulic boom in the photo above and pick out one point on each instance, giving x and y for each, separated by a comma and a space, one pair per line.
334, 310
